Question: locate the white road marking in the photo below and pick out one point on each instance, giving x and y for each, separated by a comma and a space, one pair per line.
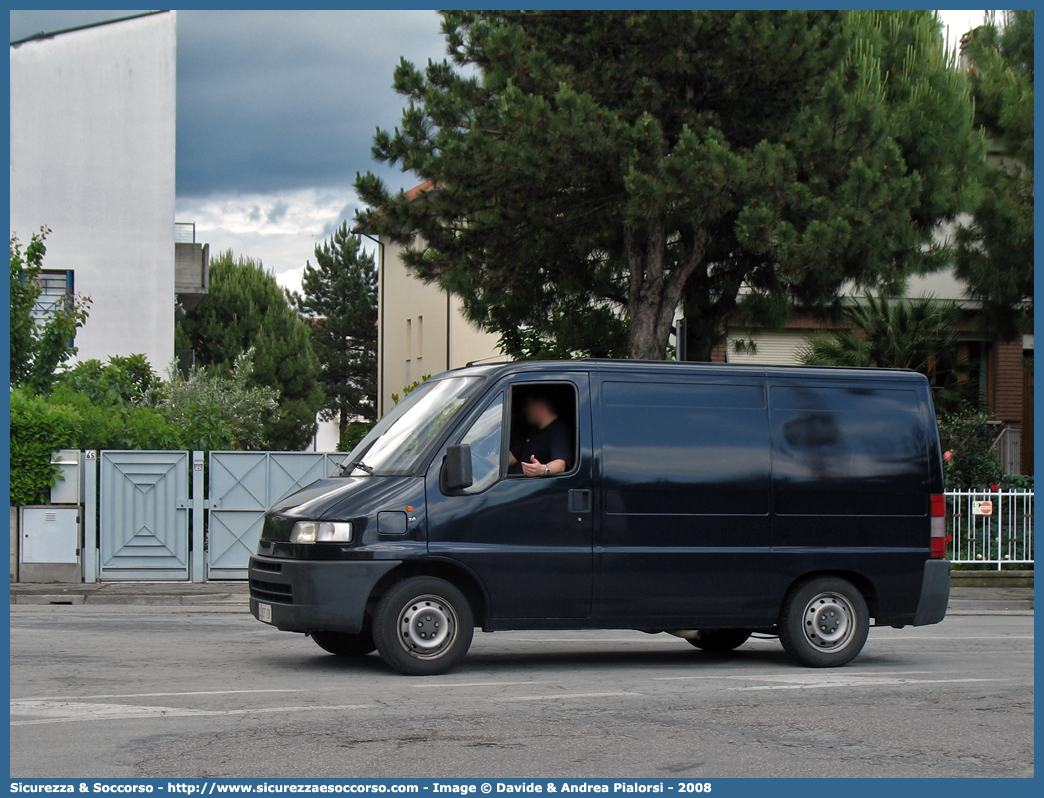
654, 639
478, 684
864, 682
76, 712
760, 677
952, 637
148, 695
598, 640
562, 695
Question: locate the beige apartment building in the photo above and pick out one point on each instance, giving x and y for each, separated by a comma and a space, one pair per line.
421, 327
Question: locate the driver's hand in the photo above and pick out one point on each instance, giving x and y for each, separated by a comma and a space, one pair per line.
534, 468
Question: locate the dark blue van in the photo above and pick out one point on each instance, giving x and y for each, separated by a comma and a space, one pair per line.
708, 501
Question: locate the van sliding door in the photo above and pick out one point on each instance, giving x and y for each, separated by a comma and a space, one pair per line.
685, 480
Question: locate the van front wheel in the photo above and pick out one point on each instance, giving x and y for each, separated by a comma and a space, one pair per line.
824, 622
423, 626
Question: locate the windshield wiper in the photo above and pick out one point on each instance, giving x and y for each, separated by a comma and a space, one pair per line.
361, 466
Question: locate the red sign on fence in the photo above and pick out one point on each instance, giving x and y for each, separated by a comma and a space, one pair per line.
982, 508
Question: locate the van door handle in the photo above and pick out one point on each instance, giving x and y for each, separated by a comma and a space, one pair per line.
579, 501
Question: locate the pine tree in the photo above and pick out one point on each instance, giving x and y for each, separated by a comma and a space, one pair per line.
995, 252
340, 292
246, 308
594, 170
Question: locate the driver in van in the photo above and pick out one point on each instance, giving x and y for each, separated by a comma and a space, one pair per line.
548, 447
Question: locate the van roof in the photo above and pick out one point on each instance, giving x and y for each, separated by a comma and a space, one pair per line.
674, 366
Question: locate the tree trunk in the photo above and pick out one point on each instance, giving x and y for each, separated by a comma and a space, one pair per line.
654, 294
702, 335
708, 302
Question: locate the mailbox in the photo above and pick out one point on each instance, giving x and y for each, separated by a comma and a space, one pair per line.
66, 488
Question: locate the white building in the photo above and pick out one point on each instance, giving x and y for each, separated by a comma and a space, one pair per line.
92, 157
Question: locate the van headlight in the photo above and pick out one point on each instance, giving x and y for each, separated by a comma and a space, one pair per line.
321, 532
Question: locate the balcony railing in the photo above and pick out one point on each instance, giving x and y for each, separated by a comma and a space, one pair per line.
184, 232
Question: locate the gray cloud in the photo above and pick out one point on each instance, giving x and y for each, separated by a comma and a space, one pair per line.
277, 100
278, 211
273, 101
346, 215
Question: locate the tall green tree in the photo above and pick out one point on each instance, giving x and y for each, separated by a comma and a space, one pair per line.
340, 293
246, 308
595, 170
39, 344
919, 334
995, 252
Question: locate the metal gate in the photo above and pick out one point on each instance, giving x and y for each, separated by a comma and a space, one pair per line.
243, 485
144, 515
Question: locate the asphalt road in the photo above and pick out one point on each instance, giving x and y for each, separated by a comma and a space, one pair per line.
206, 692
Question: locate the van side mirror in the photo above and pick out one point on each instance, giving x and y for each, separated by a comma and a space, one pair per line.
456, 468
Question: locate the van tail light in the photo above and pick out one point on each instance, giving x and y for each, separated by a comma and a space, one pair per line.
937, 546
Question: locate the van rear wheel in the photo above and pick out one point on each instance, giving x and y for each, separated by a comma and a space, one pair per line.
343, 644
824, 622
720, 640
423, 626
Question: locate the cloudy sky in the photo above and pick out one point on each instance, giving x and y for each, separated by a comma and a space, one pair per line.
276, 114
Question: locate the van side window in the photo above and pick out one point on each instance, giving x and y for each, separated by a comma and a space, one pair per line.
543, 427
484, 438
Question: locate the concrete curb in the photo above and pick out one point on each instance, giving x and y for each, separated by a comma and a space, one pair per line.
179, 594
956, 613
960, 578
133, 600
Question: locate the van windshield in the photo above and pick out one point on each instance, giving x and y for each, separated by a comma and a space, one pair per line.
398, 441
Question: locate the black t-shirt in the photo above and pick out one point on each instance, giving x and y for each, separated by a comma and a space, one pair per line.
553, 442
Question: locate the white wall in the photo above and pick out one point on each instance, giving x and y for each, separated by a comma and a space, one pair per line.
327, 436
92, 157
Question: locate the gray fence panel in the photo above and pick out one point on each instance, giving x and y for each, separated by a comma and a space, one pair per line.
143, 515
243, 485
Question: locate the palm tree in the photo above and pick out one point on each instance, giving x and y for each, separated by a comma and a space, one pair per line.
914, 334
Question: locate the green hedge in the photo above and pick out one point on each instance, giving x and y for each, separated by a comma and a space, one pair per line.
38, 428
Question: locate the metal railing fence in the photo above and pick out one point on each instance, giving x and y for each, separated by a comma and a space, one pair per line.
990, 528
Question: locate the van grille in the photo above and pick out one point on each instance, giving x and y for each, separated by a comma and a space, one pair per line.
271, 591
264, 565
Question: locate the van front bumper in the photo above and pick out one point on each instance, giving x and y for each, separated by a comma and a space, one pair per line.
935, 593
315, 595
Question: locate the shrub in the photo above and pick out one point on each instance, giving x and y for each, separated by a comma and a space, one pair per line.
123, 380
215, 410
351, 434
38, 428
968, 460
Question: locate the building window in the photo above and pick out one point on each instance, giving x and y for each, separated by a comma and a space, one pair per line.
56, 292
420, 337
409, 340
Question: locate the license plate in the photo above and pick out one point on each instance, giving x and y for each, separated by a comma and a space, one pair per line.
264, 613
